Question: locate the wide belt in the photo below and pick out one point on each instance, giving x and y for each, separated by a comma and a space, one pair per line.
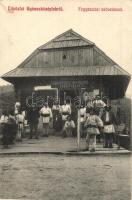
107, 123
91, 126
65, 113
45, 115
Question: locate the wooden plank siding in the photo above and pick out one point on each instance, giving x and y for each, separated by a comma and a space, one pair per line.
122, 108
100, 60
83, 56
63, 57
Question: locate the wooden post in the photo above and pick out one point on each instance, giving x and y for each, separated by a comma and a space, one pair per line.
64, 96
47, 99
78, 130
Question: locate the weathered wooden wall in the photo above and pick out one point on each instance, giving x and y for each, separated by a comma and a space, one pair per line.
79, 56
122, 107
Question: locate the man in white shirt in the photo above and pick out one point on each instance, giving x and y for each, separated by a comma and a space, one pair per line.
46, 114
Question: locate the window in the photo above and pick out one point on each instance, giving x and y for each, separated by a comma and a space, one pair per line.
64, 56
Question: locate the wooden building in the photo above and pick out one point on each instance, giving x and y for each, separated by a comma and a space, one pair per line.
68, 65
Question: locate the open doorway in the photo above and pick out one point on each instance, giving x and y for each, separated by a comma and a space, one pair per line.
70, 95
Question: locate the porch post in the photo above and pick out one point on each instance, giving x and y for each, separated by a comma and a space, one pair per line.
78, 130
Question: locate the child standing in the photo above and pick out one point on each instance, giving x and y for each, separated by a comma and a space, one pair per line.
68, 127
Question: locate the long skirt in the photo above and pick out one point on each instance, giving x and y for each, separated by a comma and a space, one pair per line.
8, 133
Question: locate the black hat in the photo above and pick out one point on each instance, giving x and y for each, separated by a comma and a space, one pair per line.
107, 107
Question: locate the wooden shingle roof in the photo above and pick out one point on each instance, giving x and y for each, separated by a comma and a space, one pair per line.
35, 66
66, 71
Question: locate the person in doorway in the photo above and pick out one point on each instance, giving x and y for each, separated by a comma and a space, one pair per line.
92, 124
65, 111
56, 115
109, 120
46, 114
68, 127
33, 120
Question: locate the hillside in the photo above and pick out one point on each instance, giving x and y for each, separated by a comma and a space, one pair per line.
7, 98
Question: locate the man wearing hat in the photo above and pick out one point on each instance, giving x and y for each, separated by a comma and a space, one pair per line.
33, 120
92, 124
109, 120
99, 105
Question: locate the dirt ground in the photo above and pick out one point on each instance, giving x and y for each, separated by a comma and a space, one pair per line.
51, 177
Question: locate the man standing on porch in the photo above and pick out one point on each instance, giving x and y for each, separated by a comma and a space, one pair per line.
46, 114
92, 124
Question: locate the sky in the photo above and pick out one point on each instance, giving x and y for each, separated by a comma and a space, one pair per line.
21, 32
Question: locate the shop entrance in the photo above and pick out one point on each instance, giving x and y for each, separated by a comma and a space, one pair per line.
47, 94
70, 95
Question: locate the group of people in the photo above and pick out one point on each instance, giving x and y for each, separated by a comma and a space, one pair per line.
19, 119
98, 126
8, 128
95, 119
59, 115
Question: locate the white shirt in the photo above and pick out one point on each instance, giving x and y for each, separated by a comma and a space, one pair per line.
46, 110
19, 118
56, 107
66, 108
4, 119
69, 124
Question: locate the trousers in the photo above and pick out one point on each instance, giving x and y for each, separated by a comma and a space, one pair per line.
91, 141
